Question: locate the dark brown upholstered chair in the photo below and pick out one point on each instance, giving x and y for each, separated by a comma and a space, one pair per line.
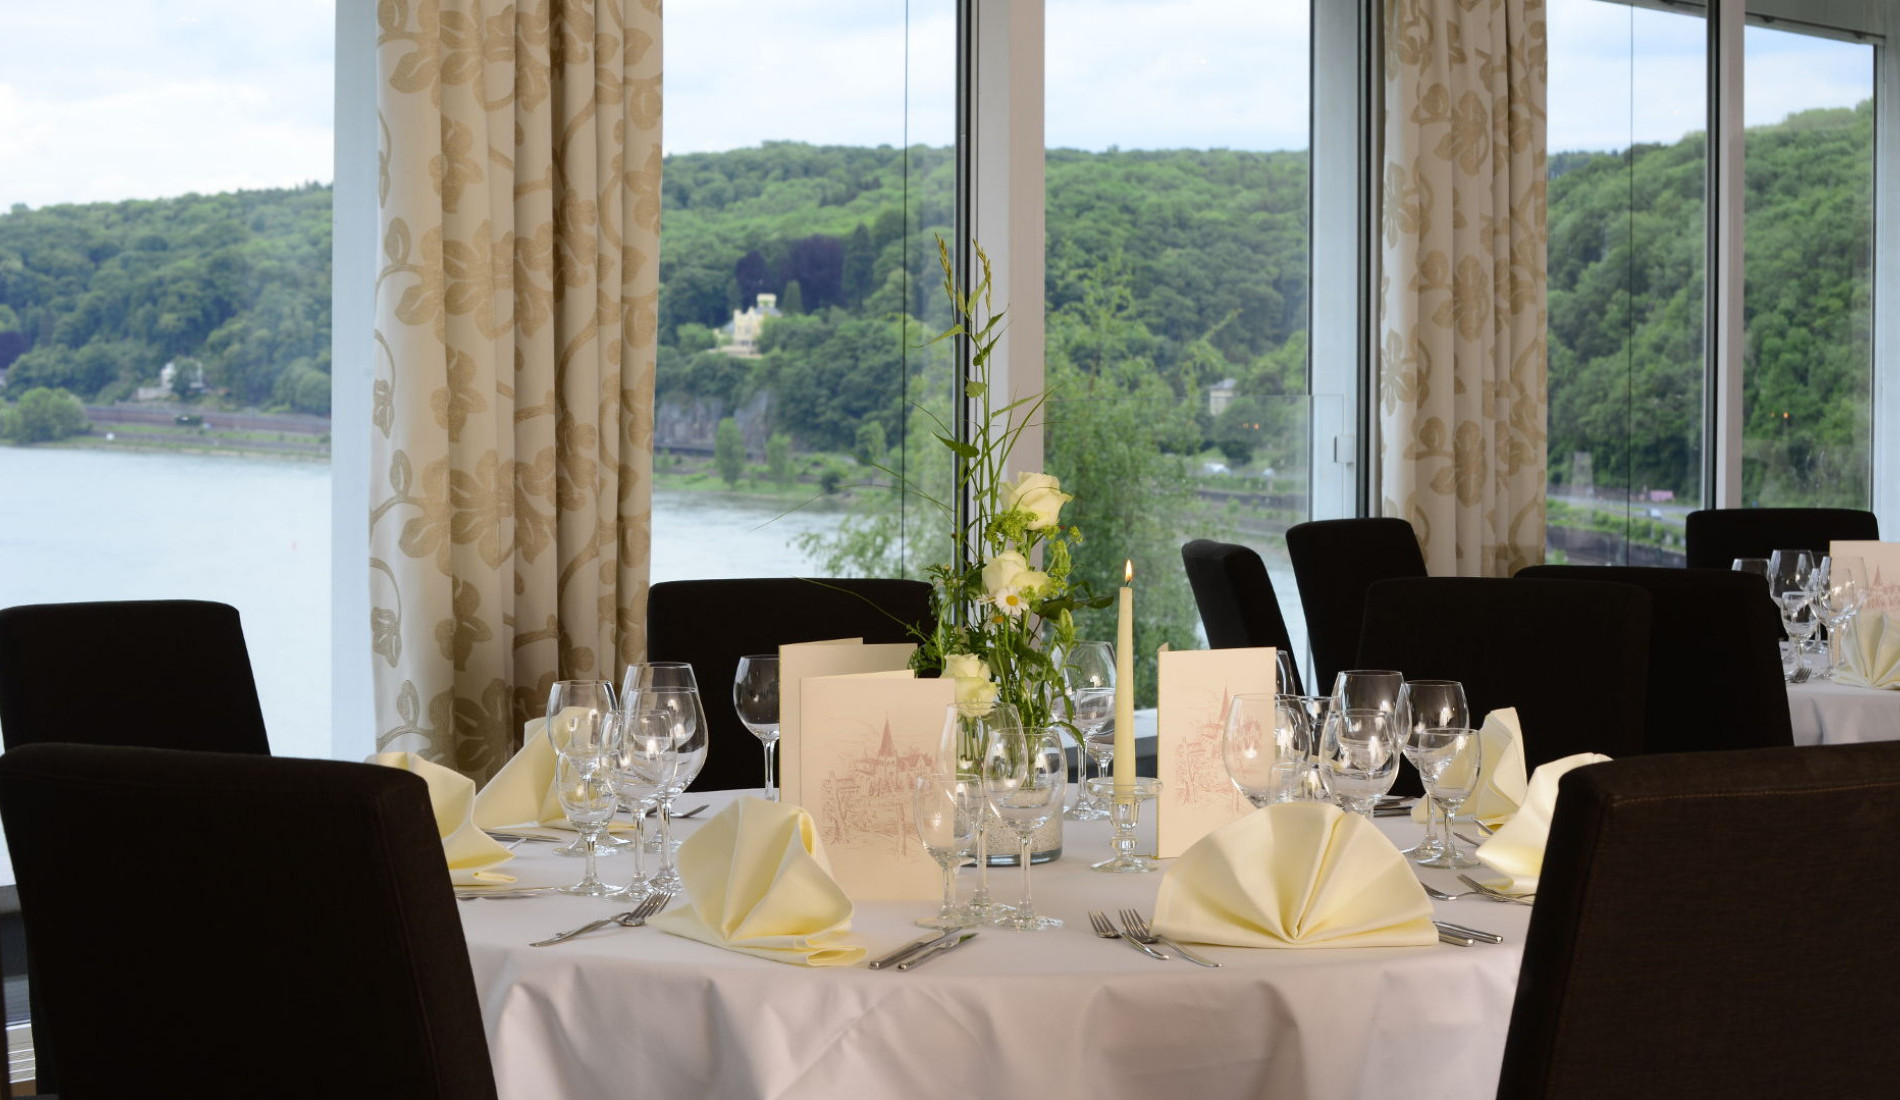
711, 624
323, 959
1714, 659
1715, 537
1571, 656
1716, 924
1334, 561
1235, 597
163, 673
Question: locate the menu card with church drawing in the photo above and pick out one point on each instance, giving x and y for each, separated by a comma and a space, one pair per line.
866, 739
1883, 572
801, 661
1196, 795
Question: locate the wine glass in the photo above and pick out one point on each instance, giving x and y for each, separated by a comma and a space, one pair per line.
585, 784
643, 763
1449, 760
1263, 744
576, 724
960, 751
1434, 704
1358, 757
1840, 589
755, 698
1757, 566
1374, 689
1024, 773
1790, 573
1088, 673
675, 718
947, 810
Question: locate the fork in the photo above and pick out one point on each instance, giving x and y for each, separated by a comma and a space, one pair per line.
1105, 928
1136, 928
1434, 892
632, 918
1497, 895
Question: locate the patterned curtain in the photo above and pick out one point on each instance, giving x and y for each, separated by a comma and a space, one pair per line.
1462, 397
516, 300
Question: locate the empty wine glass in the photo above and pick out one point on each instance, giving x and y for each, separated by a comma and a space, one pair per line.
1088, 674
1374, 689
585, 785
643, 762
1434, 704
1358, 758
960, 751
674, 714
947, 811
755, 698
577, 724
1757, 566
1790, 574
1024, 773
1263, 741
1449, 760
1840, 589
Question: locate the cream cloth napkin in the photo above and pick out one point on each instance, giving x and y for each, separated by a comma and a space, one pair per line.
1295, 874
1870, 651
470, 851
1501, 788
1517, 851
757, 882
522, 793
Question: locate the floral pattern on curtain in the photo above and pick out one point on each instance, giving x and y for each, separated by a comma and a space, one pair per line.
1463, 402
519, 209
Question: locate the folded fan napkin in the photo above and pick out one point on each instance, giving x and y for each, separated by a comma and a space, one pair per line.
1295, 874
1871, 651
757, 882
522, 793
1517, 851
470, 851
1501, 787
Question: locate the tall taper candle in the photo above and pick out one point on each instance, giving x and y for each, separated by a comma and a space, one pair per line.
1125, 683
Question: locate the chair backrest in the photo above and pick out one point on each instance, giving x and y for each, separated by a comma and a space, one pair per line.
1714, 537
307, 945
1571, 656
1714, 656
168, 674
1235, 597
1334, 562
1716, 924
711, 624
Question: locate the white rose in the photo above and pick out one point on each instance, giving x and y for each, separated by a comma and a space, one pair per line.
1002, 572
1040, 495
976, 694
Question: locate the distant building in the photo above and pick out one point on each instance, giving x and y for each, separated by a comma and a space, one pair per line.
743, 332
168, 374
1221, 394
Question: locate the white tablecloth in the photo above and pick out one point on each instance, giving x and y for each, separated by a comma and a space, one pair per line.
1826, 713
636, 1012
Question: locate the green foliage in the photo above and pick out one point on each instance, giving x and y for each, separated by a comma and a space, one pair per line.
44, 415
729, 452
778, 459
871, 444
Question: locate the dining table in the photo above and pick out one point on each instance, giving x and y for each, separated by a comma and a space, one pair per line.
628, 1012
1828, 712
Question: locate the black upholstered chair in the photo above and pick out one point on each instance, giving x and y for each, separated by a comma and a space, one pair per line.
324, 959
1715, 924
1714, 656
711, 624
1235, 597
1571, 656
162, 673
1715, 537
1334, 561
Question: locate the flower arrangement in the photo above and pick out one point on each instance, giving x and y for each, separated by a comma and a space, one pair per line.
999, 617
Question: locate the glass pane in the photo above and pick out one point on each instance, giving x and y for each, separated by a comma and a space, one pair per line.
1628, 161
1808, 368
165, 261
1177, 212
810, 166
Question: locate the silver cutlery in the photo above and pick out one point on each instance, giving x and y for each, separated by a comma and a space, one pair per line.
1521, 899
955, 940
1473, 933
1440, 895
463, 893
905, 952
1475, 843
1456, 940
1105, 928
632, 918
512, 839
1135, 927
683, 815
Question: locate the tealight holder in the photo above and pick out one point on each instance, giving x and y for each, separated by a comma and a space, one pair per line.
1124, 810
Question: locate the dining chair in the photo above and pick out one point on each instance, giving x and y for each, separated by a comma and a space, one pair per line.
1235, 597
1714, 656
711, 624
237, 925
1571, 656
1714, 537
1715, 924
161, 673
1334, 562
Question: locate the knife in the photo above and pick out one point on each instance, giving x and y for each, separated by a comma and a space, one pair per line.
911, 950
1455, 938
1474, 933
942, 948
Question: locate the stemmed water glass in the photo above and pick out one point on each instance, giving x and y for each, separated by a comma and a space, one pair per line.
1358, 757
1265, 743
1024, 774
1840, 588
644, 762
1449, 760
755, 698
672, 676
960, 750
1088, 673
585, 784
1433, 704
1790, 573
675, 720
577, 725
947, 810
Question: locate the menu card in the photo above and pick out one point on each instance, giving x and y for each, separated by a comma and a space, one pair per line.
864, 741
1196, 795
1883, 571
801, 661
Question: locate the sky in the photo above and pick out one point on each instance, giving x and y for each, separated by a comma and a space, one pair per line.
112, 99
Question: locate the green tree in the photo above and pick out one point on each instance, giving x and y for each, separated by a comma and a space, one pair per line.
871, 447
729, 452
45, 415
1239, 429
778, 459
